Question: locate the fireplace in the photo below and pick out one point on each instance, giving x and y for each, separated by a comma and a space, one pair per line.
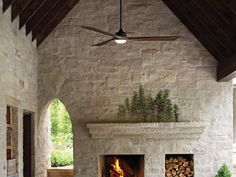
121, 166
179, 165
146, 149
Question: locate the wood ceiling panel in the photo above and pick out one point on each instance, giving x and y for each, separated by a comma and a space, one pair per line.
211, 29
188, 18
50, 15
213, 22
226, 71
39, 16
30, 10
55, 21
41, 13
7, 4
18, 6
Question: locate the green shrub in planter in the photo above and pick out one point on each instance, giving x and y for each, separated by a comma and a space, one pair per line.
144, 108
224, 171
61, 158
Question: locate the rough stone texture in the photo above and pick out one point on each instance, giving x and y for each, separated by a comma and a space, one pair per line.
92, 81
15, 175
171, 130
234, 115
18, 81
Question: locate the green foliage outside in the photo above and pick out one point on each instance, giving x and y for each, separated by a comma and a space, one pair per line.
224, 171
61, 135
61, 158
142, 108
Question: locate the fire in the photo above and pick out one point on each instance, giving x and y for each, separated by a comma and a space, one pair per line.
116, 168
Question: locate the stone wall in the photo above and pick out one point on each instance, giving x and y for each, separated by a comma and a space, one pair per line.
18, 81
92, 81
234, 115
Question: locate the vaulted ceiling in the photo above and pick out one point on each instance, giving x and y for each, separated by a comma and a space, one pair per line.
39, 16
213, 22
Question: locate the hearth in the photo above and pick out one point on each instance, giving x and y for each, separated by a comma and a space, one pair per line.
170, 149
179, 165
121, 166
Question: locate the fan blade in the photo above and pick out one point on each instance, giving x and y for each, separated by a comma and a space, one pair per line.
98, 30
103, 43
154, 38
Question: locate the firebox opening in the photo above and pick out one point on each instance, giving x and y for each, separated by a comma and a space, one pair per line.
179, 165
121, 166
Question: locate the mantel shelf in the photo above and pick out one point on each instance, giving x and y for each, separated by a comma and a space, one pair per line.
170, 130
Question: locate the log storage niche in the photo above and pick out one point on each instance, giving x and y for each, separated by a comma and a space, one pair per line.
179, 165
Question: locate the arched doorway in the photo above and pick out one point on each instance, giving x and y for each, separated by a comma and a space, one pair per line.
61, 138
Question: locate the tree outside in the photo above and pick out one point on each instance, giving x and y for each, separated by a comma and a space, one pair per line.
61, 135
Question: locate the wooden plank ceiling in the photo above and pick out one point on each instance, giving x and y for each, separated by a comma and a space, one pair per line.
39, 16
213, 22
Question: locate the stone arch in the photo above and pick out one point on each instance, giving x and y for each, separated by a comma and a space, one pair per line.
62, 133
43, 139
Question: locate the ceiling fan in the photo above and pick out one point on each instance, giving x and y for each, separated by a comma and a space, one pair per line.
121, 36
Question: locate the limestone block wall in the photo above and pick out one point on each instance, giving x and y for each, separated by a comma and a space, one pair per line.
18, 82
92, 81
234, 115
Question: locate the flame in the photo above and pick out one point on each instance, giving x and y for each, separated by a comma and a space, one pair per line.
117, 169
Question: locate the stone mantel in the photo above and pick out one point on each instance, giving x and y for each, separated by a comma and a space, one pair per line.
170, 130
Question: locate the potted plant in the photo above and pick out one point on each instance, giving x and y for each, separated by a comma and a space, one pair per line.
224, 171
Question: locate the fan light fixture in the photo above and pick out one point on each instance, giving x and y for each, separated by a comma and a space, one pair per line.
120, 41
121, 36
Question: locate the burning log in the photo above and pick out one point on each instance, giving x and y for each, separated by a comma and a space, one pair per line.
114, 174
179, 167
116, 171
123, 170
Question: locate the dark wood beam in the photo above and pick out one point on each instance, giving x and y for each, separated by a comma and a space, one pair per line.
40, 15
213, 26
227, 71
213, 23
50, 16
221, 10
210, 27
190, 20
55, 21
7, 4
17, 7
231, 5
221, 16
30, 10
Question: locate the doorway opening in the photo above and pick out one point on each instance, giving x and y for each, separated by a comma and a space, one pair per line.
61, 136
28, 144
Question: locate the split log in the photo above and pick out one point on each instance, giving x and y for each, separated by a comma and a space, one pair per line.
179, 167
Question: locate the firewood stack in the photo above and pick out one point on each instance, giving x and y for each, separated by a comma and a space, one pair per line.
179, 167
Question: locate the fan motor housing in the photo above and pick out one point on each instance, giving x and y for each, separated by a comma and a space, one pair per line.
121, 33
